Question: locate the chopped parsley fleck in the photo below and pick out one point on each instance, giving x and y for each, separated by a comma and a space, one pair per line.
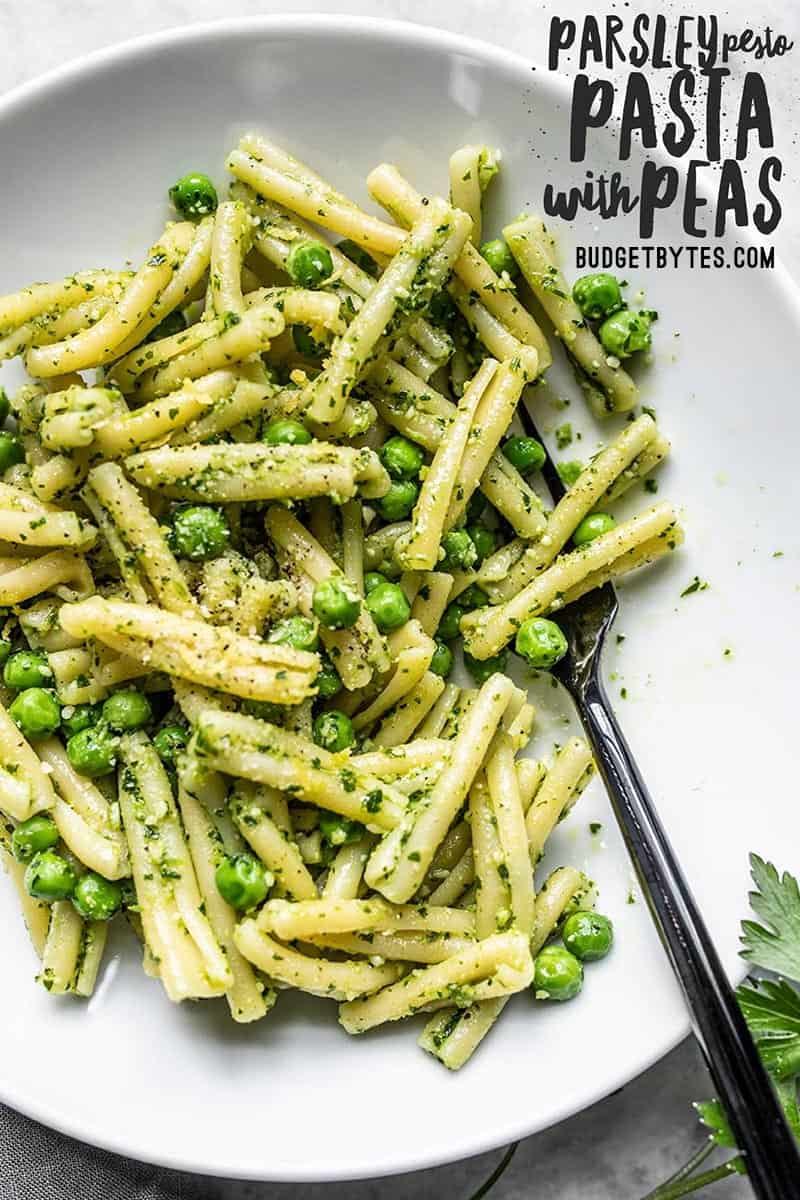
564, 435
697, 585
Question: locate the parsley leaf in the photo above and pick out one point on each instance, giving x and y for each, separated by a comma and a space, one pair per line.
697, 585
564, 435
772, 1011
775, 944
787, 1094
712, 1115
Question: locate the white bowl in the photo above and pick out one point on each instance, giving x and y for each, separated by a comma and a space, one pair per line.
88, 154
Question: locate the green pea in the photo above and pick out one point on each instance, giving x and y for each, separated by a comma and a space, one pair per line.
482, 668
12, 450
309, 264
5, 649
31, 836
473, 597
36, 712
625, 332
449, 624
336, 603
243, 881
174, 322
169, 742
194, 195
306, 344
499, 257
5, 406
333, 730
541, 642
525, 453
442, 661
283, 431
297, 631
557, 974
93, 751
81, 716
48, 876
588, 935
339, 831
373, 579
399, 500
401, 457
329, 682
27, 668
597, 296
459, 551
127, 710
359, 256
592, 527
484, 540
96, 898
388, 606
200, 532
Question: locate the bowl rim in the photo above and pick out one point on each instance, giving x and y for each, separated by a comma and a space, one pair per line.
408, 34
333, 25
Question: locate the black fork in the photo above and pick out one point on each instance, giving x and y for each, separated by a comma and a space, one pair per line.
743, 1086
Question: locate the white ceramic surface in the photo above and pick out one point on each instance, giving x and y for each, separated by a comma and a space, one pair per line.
88, 155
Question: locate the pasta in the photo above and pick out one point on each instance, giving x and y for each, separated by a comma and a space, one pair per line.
436, 227
251, 495
423, 414
506, 314
87, 823
277, 229
98, 343
495, 966
487, 632
255, 472
596, 481
61, 571
194, 650
253, 749
209, 840
420, 551
228, 342
472, 169
190, 961
397, 867
32, 524
532, 247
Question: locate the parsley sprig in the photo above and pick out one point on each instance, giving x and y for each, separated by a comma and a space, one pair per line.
771, 1008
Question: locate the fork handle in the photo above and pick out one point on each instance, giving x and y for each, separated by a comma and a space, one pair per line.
743, 1086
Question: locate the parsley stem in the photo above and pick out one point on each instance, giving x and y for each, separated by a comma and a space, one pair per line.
685, 1187
496, 1173
685, 1171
